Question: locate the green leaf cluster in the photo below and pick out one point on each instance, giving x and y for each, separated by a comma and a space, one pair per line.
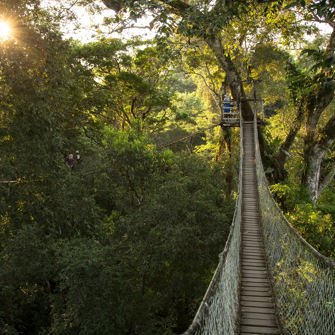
126, 239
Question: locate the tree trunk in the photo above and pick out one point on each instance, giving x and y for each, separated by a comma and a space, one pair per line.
316, 142
311, 178
316, 147
233, 77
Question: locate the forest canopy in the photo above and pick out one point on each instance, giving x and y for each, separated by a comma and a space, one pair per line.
117, 182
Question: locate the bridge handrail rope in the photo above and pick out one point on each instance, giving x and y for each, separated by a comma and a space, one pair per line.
219, 308
303, 279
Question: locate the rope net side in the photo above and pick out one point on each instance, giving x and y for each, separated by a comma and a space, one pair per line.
303, 279
218, 311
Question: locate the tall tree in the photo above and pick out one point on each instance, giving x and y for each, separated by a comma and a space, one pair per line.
231, 30
312, 86
130, 91
199, 19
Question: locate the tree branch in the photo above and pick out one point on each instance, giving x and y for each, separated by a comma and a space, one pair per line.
9, 181
227, 5
177, 6
211, 89
320, 20
330, 49
285, 147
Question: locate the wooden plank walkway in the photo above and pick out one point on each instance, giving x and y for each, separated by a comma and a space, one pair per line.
257, 314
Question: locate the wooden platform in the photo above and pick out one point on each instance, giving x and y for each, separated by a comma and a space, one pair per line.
257, 314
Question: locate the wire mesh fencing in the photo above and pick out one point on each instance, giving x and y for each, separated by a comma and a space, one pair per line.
303, 279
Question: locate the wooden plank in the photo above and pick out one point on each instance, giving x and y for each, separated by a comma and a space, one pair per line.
259, 322
257, 250
253, 248
250, 261
255, 275
251, 235
254, 267
260, 260
259, 330
253, 264
255, 283
251, 292
259, 272
254, 272
265, 298
259, 316
256, 264
252, 256
252, 243
254, 291
255, 287
258, 304
257, 308
255, 280
251, 228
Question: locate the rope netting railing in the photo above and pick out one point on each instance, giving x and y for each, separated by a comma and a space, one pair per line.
218, 311
303, 279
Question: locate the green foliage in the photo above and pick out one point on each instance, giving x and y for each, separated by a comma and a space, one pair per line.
323, 65
27, 267
284, 195
129, 91
125, 241
297, 82
89, 296
182, 207
314, 223
315, 226
187, 107
326, 202
115, 245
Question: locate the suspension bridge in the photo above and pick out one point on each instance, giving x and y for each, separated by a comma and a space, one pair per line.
269, 280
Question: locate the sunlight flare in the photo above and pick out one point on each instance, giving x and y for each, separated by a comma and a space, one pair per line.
5, 31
